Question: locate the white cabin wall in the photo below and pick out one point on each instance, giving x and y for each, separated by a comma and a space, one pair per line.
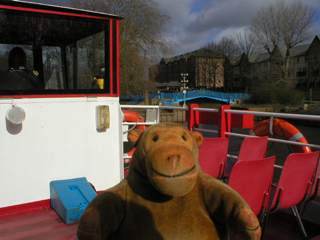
58, 140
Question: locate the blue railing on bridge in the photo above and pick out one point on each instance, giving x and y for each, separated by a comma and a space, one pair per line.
171, 98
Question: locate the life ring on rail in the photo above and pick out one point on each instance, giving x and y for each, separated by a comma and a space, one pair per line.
135, 118
282, 129
128, 156
127, 160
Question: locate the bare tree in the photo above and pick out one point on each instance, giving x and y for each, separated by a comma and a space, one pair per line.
248, 44
227, 46
230, 50
283, 25
50, 64
209, 69
140, 34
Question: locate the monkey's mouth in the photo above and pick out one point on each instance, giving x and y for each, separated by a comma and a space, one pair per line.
173, 176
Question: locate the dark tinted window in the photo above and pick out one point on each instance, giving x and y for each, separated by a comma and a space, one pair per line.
65, 54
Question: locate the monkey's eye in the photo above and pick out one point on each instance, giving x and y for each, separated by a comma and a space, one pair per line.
155, 138
184, 138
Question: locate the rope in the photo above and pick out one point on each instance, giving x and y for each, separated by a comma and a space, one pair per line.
134, 126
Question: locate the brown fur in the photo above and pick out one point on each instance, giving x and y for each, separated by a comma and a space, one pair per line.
166, 196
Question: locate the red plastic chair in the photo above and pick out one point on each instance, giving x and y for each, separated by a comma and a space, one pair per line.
294, 186
251, 148
316, 238
315, 192
252, 180
213, 156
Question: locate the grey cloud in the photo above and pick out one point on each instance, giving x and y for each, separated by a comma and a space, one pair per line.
228, 14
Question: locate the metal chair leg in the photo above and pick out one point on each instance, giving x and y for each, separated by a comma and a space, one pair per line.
264, 224
299, 222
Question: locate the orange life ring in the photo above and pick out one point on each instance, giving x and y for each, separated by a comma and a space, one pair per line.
135, 118
282, 129
127, 158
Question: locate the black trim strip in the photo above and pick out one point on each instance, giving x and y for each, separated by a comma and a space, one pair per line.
115, 57
107, 60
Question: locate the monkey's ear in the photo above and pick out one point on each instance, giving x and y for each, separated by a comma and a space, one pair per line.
198, 137
134, 135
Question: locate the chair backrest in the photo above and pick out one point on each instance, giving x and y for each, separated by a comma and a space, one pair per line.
252, 180
295, 180
213, 156
253, 148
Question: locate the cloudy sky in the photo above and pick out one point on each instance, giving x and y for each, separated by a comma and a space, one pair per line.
197, 22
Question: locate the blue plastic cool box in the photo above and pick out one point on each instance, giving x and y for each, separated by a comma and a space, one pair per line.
69, 198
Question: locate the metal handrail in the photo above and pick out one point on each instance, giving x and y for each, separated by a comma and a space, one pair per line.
138, 123
254, 113
154, 107
276, 140
270, 114
206, 109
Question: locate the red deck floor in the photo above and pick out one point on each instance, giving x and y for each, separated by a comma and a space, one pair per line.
46, 224
39, 224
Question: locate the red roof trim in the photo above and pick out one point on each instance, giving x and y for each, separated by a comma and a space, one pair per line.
58, 96
111, 54
118, 58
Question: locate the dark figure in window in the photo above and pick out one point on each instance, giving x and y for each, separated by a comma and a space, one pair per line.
18, 77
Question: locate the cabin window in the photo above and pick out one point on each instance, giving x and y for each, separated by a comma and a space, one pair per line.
64, 54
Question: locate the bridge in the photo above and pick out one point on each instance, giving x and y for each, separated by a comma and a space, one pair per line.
170, 99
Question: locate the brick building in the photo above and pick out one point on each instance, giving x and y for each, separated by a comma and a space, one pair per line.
208, 70
205, 70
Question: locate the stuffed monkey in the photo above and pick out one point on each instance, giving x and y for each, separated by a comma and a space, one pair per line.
166, 196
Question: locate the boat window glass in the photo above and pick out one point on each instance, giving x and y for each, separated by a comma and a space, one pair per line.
65, 54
